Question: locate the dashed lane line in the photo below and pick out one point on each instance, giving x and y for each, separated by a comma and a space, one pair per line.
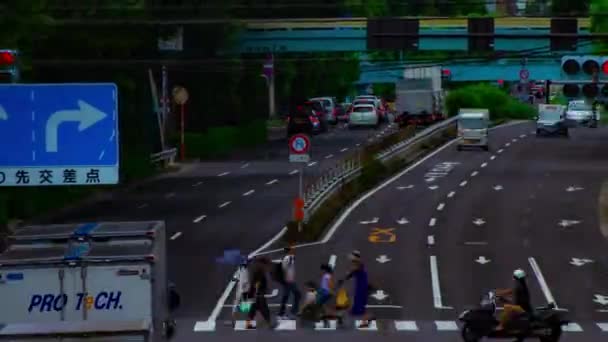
432, 222
294, 172
329, 156
199, 219
197, 184
224, 204
344, 149
430, 240
311, 164
451, 194
176, 235
484, 165
474, 173
492, 157
440, 206
141, 206
249, 192
272, 182
224, 174
500, 151
463, 183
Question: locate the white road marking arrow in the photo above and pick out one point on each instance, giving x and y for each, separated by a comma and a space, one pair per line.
379, 295
479, 221
372, 221
3, 114
580, 262
573, 188
497, 187
87, 115
382, 259
482, 260
403, 221
568, 223
602, 300
405, 187
433, 187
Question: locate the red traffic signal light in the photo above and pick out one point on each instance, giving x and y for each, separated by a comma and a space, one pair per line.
7, 58
605, 67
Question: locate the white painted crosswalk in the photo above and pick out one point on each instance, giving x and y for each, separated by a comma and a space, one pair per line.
382, 325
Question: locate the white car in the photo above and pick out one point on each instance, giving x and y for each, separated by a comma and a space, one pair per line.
364, 115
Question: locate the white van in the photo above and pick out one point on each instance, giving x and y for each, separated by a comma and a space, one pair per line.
473, 127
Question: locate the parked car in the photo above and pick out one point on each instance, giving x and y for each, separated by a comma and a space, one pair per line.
329, 104
364, 115
303, 120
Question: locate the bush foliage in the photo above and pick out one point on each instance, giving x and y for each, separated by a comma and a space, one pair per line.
497, 100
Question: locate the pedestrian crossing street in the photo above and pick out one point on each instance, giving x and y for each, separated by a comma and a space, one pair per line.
381, 326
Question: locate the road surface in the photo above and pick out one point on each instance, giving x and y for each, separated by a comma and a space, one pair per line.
216, 206
459, 223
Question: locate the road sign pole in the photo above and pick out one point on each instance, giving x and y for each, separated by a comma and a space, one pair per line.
301, 193
183, 142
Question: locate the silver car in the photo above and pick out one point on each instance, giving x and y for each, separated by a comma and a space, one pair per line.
364, 115
551, 120
581, 113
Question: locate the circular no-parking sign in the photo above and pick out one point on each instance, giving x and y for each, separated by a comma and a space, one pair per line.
524, 74
299, 144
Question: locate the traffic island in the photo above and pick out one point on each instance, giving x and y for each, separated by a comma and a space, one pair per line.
373, 172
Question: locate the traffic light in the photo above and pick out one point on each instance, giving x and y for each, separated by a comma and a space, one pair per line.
9, 66
585, 68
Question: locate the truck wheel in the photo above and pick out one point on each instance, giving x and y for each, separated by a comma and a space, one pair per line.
486, 148
169, 329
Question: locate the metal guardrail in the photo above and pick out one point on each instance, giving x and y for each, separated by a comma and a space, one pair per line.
328, 183
167, 156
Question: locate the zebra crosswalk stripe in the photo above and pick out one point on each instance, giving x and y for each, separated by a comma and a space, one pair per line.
406, 326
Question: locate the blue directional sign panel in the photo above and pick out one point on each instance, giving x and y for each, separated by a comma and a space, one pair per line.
58, 134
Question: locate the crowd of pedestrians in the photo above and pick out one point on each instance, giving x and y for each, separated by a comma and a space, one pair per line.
322, 302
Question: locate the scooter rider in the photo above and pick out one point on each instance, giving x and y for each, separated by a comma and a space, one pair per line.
520, 299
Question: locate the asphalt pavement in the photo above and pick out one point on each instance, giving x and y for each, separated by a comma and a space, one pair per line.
456, 224
214, 206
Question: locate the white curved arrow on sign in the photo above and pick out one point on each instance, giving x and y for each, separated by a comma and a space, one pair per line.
87, 115
3, 114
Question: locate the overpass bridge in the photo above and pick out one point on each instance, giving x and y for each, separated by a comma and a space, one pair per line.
350, 34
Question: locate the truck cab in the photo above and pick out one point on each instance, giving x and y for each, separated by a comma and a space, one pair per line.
551, 120
473, 127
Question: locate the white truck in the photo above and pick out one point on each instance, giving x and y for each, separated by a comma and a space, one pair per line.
419, 96
473, 128
94, 279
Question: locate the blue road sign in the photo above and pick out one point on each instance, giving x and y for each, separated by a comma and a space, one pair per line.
58, 134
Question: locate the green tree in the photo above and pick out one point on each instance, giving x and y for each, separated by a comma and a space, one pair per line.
599, 23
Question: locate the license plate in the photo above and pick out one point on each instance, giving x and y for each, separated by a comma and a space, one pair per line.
471, 141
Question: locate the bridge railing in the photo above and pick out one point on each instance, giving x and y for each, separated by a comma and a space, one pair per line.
166, 157
327, 184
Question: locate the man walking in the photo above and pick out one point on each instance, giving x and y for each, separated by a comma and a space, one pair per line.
288, 266
258, 288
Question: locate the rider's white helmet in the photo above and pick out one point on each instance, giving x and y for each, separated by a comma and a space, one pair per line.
519, 274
